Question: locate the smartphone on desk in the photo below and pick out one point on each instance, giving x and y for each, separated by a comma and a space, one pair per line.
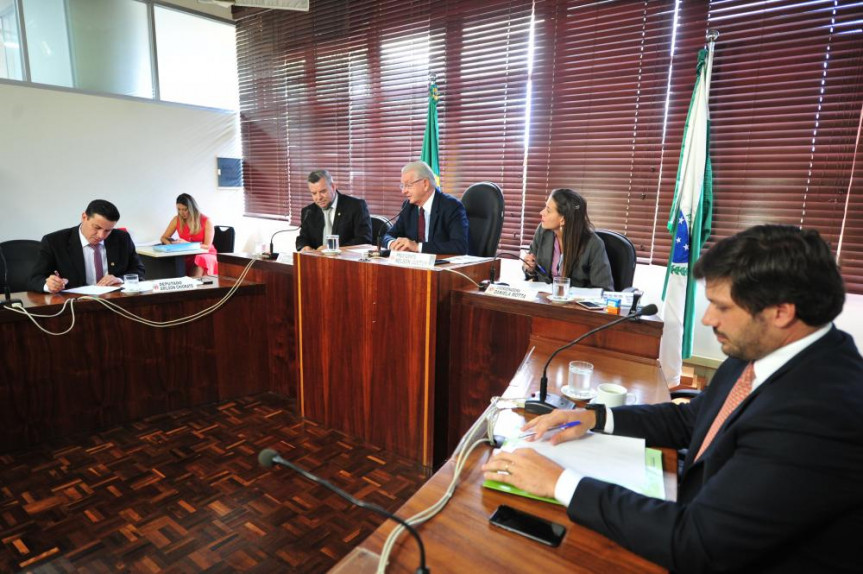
590, 305
528, 525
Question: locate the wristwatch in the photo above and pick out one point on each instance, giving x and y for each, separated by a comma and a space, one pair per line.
599, 411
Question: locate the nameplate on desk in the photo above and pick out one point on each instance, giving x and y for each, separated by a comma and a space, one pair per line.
178, 284
285, 258
511, 292
409, 259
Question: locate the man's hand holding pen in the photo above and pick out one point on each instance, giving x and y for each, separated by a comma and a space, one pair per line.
55, 283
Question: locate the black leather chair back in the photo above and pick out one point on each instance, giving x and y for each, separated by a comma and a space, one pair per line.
223, 239
484, 205
621, 256
21, 255
379, 227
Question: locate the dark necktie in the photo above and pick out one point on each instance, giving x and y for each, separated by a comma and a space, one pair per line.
97, 261
421, 235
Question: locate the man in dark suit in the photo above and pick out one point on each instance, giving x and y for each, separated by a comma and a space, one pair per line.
772, 480
443, 228
332, 213
91, 253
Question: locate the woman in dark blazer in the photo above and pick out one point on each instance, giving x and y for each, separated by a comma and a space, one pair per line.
565, 244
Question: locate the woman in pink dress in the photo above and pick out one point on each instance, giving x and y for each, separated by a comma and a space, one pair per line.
193, 226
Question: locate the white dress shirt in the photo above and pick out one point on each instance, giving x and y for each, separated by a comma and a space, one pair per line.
764, 368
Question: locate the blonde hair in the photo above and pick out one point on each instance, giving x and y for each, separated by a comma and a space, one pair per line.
194, 212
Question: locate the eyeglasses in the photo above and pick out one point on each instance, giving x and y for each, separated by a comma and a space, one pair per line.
403, 186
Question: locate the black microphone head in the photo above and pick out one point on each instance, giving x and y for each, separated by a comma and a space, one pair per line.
266, 457
649, 310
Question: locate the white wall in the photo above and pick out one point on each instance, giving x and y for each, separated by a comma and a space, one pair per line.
60, 149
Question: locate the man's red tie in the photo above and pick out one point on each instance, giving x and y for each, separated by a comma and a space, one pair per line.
97, 261
421, 236
739, 391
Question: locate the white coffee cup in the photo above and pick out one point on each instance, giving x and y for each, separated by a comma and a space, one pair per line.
612, 395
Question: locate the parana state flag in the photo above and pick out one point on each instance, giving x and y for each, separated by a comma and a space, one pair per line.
689, 224
430, 138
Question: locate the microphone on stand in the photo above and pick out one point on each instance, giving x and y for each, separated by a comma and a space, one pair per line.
544, 402
268, 457
273, 254
386, 252
8, 301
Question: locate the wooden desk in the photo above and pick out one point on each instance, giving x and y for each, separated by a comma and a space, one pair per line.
109, 370
279, 317
373, 350
490, 335
165, 264
460, 538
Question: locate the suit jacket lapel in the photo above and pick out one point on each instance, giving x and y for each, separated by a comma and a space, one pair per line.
76, 257
435, 214
112, 250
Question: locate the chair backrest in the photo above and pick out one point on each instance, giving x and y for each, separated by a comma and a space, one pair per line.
380, 225
223, 239
21, 255
484, 205
621, 256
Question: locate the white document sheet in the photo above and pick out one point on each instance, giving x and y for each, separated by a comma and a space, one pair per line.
93, 289
615, 459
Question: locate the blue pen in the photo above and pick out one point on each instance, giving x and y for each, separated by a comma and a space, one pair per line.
558, 427
542, 270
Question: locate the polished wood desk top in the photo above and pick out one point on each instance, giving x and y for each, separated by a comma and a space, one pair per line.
460, 538
33, 300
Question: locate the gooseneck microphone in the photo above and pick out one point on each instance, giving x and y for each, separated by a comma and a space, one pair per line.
7, 292
273, 254
386, 252
544, 402
268, 457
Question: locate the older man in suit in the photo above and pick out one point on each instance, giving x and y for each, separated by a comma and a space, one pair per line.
430, 221
91, 253
332, 213
772, 479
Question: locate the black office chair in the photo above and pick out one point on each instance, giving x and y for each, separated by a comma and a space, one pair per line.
380, 225
484, 205
21, 255
223, 239
621, 256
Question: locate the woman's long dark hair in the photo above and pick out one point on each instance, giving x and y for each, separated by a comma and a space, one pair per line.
576, 229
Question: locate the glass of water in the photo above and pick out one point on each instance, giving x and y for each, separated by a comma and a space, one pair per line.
332, 243
560, 287
580, 373
130, 281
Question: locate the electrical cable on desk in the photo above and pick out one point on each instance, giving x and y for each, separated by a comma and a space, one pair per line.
461, 456
111, 306
460, 273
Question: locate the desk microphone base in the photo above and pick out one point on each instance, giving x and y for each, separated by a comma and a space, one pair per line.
551, 402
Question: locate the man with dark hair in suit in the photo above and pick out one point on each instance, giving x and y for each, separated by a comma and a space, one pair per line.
91, 253
332, 213
772, 478
434, 223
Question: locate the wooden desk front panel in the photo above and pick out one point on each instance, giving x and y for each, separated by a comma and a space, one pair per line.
279, 316
110, 370
366, 349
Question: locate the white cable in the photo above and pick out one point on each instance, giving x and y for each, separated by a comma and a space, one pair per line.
112, 306
461, 459
460, 273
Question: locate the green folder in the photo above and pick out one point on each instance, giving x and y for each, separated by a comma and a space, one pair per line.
654, 485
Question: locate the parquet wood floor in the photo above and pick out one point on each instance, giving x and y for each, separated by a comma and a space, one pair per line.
183, 492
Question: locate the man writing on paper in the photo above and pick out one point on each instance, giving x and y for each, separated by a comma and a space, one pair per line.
434, 223
772, 479
332, 213
91, 253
